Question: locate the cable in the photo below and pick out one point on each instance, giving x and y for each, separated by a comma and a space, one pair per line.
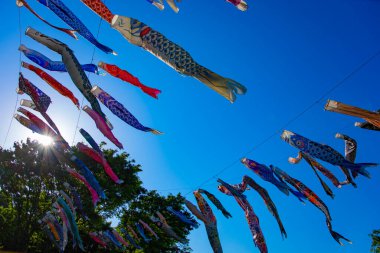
10, 123
17, 96
88, 76
203, 184
179, 189
295, 118
77, 124
20, 38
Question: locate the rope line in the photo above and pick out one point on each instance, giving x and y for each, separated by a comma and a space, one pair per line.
88, 76
19, 70
295, 118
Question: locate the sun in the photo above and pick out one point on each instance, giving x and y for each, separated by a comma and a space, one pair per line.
44, 140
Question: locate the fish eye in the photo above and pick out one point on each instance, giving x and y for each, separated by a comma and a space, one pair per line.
299, 143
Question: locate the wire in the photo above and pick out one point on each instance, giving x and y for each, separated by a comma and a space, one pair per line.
17, 96
88, 76
182, 188
20, 38
10, 123
77, 124
295, 118
204, 184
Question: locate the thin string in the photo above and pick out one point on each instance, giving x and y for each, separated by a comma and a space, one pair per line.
88, 76
204, 184
20, 38
295, 118
19, 70
10, 123
77, 124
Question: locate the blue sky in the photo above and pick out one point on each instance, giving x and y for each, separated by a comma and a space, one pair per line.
287, 53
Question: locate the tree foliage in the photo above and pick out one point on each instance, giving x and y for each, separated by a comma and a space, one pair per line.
31, 177
375, 247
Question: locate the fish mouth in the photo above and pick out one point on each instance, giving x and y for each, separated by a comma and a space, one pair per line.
22, 48
222, 189
277, 171
273, 168
286, 135
19, 91
249, 163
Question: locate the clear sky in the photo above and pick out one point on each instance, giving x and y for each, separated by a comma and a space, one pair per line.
287, 53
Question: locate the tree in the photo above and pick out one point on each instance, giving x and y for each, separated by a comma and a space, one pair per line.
375, 247
31, 177
145, 206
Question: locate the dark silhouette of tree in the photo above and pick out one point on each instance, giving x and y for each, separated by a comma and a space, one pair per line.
31, 177
375, 247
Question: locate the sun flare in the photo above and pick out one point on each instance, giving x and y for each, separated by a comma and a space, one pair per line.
44, 140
